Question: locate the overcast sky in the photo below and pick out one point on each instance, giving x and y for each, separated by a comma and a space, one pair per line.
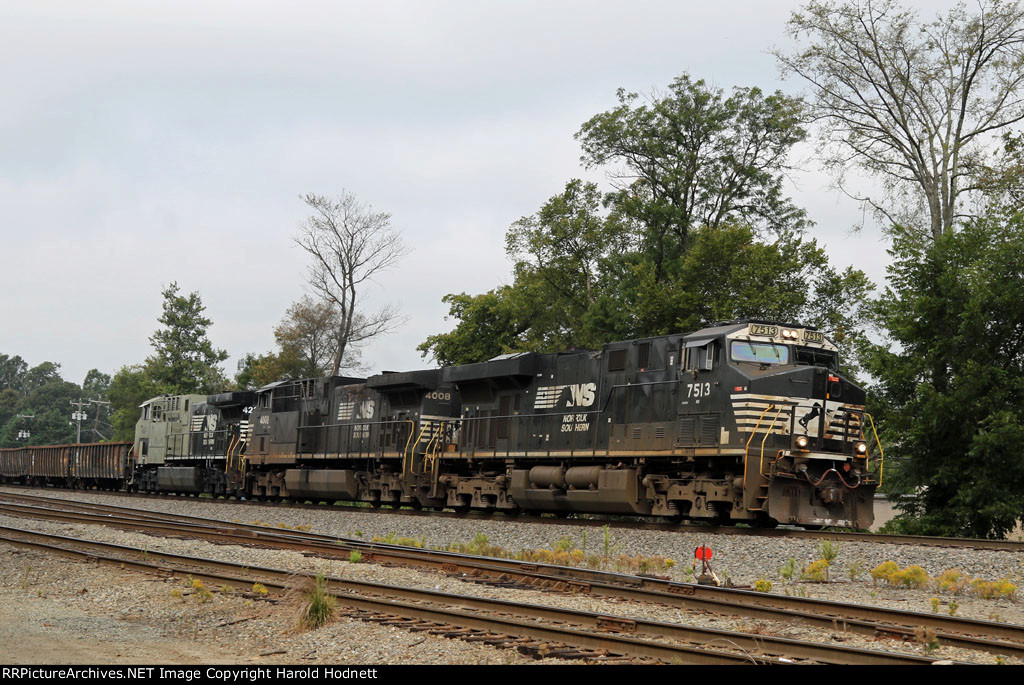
148, 142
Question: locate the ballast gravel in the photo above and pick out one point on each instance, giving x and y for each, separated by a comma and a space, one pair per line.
105, 615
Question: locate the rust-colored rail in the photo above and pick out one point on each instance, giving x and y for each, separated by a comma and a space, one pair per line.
600, 633
597, 521
1001, 638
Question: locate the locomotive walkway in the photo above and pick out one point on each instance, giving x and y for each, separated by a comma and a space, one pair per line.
998, 638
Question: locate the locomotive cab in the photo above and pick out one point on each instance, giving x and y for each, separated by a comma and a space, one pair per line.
801, 423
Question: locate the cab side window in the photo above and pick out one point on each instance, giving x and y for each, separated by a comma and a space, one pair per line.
700, 357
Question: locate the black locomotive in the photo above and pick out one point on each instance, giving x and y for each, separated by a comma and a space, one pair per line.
743, 422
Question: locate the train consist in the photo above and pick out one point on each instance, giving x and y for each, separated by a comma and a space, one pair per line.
742, 422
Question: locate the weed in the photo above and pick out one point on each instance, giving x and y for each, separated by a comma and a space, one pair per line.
564, 554
951, 580
953, 606
320, 605
355, 557
934, 602
176, 593
928, 638
993, 589
202, 594
884, 571
393, 538
562, 544
763, 585
816, 571
259, 589
854, 570
829, 550
912, 577
788, 569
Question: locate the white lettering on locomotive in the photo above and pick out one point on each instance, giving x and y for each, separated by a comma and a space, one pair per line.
580, 395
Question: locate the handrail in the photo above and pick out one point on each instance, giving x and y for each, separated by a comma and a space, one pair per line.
768, 432
881, 452
227, 457
746, 449
405, 450
434, 439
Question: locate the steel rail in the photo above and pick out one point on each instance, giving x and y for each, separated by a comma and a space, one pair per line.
684, 527
1000, 638
588, 630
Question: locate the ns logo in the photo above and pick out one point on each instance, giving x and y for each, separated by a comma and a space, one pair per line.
581, 395
366, 408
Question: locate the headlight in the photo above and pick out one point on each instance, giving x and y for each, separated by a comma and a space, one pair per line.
862, 448
802, 442
788, 333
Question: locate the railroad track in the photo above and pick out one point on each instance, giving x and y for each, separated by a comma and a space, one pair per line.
998, 638
531, 628
597, 521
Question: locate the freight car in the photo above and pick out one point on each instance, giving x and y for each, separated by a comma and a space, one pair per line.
104, 465
748, 421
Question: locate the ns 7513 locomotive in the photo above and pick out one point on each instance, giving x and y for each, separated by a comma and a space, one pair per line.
741, 422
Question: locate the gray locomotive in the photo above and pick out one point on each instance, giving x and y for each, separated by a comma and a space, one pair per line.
742, 422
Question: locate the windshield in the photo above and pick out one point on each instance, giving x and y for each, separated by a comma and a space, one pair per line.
816, 357
759, 353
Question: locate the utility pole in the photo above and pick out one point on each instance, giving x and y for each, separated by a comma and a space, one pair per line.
78, 416
96, 423
25, 433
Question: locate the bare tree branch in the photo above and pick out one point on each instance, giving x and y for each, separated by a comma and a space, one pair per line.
914, 103
349, 244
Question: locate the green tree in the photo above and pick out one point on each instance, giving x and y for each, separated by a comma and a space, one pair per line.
696, 231
693, 157
129, 388
44, 396
488, 325
308, 334
12, 372
255, 371
184, 359
949, 373
726, 274
96, 384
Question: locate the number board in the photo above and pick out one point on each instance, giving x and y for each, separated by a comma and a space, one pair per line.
814, 336
762, 329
